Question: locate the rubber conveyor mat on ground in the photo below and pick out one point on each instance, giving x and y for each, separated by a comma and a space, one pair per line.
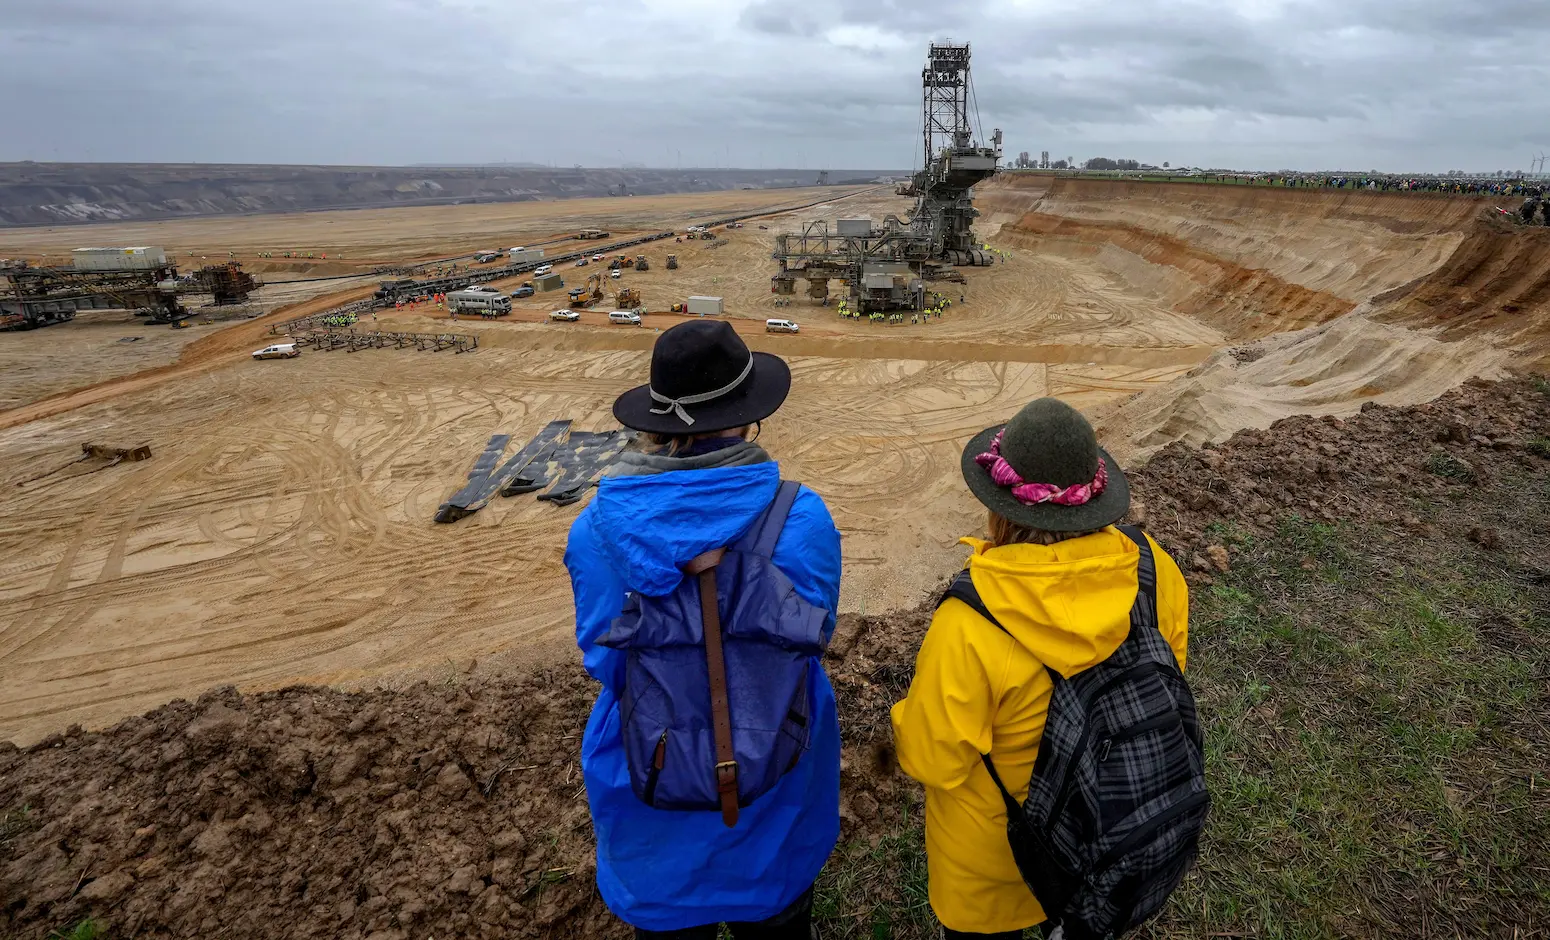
484, 481
575, 465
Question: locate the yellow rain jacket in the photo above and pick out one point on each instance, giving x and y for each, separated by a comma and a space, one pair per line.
978, 690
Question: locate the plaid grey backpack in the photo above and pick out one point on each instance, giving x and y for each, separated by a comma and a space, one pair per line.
1118, 795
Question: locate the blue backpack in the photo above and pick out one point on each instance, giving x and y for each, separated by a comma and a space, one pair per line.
717, 701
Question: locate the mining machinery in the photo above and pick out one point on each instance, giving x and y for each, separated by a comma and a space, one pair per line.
944, 210
672, 262
590, 294
38, 295
628, 298
885, 267
641, 264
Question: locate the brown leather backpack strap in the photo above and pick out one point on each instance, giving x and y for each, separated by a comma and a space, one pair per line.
705, 562
715, 660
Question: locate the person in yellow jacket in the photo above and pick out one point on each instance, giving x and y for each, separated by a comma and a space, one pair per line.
1061, 579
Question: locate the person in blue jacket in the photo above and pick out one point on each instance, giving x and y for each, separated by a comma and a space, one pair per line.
674, 874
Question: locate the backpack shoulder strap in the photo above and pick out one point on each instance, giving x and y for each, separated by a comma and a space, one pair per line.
761, 537
1146, 566
962, 587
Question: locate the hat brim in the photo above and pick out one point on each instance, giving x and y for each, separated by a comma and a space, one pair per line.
761, 396
1106, 509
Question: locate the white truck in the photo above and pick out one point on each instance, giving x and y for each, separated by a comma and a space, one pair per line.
522, 255
483, 303
277, 351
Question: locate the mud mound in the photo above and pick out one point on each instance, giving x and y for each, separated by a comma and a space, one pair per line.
457, 809
1326, 468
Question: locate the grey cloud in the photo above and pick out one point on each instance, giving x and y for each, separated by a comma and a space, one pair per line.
1410, 84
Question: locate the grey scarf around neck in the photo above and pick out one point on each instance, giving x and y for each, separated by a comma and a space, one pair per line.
635, 464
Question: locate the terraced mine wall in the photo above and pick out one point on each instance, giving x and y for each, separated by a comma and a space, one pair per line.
66, 193
1336, 297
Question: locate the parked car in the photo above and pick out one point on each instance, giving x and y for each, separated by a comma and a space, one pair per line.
614, 274
781, 326
597, 257
523, 291
564, 316
627, 317
278, 351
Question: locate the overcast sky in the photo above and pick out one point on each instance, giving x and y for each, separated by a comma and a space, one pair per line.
1392, 84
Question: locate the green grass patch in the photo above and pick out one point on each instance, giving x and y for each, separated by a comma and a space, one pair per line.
1372, 746
1539, 447
85, 930
876, 889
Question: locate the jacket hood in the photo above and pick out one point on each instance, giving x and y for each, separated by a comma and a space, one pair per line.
651, 525
1069, 603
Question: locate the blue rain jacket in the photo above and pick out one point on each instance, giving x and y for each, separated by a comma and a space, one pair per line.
668, 870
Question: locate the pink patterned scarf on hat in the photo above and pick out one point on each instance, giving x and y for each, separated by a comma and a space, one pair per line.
1002, 474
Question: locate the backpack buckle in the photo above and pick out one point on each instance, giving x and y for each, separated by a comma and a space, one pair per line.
726, 776
726, 788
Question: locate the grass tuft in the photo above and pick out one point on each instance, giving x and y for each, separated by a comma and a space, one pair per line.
15, 822
1447, 466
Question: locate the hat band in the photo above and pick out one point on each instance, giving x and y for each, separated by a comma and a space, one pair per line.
676, 405
1030, 494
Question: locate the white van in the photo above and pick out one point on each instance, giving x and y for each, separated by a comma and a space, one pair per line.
278, 351
781, 326
543, 269
627, 317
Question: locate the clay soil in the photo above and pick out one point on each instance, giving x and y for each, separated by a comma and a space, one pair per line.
454, 807
282, 532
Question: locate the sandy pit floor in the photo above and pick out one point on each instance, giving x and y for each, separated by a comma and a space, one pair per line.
282, 531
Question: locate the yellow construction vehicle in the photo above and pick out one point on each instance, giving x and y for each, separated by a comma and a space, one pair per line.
672, 262
641, 264
590, 294
628, 298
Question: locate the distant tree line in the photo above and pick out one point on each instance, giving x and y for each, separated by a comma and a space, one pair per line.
1104, 163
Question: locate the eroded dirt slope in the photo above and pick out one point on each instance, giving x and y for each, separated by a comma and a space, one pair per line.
1340, 297
1250, 260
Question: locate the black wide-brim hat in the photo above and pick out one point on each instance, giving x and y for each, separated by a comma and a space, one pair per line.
704, 379
1048, 442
